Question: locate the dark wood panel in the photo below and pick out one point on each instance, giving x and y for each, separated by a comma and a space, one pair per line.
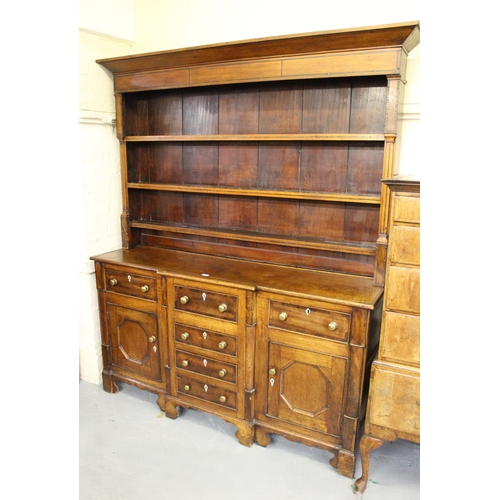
166, 163
278, 217
322, 220
323, 167
239, 110
361, 223
326, 106
200, 111
279, 165
368, 105
165, 113
201, 210
201, 163
238, 213
280, 108
238, 164
364, 174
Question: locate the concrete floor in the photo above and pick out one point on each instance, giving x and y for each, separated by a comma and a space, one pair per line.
130, 451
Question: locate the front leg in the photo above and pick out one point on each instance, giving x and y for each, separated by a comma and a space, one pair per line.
366, 446
245, 434
171, 409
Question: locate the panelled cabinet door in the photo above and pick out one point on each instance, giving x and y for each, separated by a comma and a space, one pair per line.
305, 388
134, 337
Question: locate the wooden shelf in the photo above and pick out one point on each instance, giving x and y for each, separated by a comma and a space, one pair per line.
227, 191
315, 244
255, 137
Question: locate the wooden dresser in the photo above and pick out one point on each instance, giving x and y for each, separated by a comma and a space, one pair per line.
254, 229
394, 397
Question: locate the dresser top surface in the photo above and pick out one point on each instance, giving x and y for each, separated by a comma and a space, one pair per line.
337, 288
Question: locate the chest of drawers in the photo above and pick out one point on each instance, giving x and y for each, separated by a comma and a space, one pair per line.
394, 398
209, 335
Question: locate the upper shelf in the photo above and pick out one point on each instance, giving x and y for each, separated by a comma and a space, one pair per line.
255, 137
377, 50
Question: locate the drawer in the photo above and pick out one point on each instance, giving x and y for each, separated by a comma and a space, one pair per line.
403, 289
206, 391
395, 400
404, 245
407, 209
400, 339
205, 339
206, 302
206, 366
310, 320
135, 285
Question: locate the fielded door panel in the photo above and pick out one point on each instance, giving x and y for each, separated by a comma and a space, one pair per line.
305, 387
134, 337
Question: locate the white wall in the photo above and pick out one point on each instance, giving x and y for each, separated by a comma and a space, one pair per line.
106, 31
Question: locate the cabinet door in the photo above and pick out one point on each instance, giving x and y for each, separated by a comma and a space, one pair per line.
305, 387
134, 339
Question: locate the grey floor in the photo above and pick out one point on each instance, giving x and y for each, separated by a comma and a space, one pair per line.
130, 451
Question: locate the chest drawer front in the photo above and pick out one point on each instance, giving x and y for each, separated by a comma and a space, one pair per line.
206, 391
135, 285
400, 339
404, 245
395, 401
206, 339
407, 209
403, 289
310, 320
206, 366
206, 302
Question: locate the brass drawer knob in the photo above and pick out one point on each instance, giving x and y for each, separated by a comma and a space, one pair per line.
144, 288
152, 339
282, 316
185, 362
222, 373
222, 399
222, 345
187, 387
332, 326
113, 282
272, 371
223, 308
184, 299
185, 336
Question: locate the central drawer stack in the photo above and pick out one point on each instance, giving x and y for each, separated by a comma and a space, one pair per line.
207, 336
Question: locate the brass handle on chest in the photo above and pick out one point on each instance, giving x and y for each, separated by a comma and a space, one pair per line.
223, 308
185, 362
272, 371
222, 345
187, 387
152, 339
222, 373
222, 399
113, 282
332, 326
144, 288
282, 316
185, 336
184, 299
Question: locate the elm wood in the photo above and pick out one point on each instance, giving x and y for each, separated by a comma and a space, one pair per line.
405, 35
367, 445
298, 257
254, 137
394, 398
264, 132
361, 249
314, 391
330, 287
226, 191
